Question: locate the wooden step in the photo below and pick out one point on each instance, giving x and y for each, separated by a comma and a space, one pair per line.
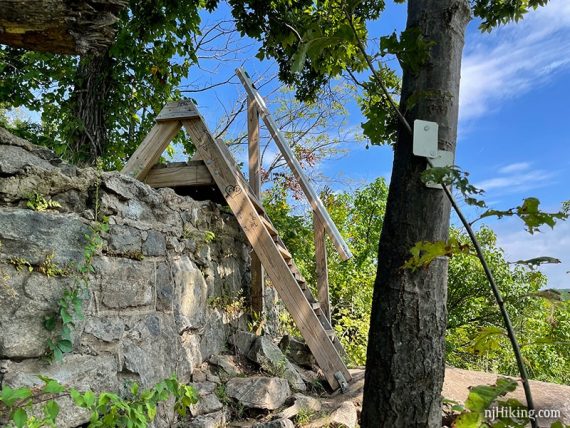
284, 252
257, 204
269, 226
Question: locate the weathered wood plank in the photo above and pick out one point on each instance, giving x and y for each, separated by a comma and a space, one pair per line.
261, 240
257, 272
193, 173
177, 110
150, 150
296, 168
321, 267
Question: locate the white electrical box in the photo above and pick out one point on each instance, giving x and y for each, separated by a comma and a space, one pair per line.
425, 138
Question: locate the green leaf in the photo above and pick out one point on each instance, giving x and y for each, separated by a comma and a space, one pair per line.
65, 346
151, 411
20, 417
50, 322
51, 410
10, 396
89, 398
134, 388
468, 420
53, 387
299, 58
77, 398
57, 354
487, 340
65, 316
481, 397
424, 252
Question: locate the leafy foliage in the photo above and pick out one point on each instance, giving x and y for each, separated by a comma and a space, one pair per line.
108, 410
476, 338
454, 176
494, 13
412, 49
38, 202
424, 252
152, 52
359, 218
530, 214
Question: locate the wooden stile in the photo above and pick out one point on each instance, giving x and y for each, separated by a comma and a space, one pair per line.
217, 164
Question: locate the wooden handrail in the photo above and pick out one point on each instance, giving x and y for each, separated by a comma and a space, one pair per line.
316, 204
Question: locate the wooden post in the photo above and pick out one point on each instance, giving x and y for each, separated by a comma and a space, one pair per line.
322, 271
257, 272
295, 166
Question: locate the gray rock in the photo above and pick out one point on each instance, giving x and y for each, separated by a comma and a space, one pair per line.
206, 404
345, 415
165, 296
25, 299
270, 358
33, 235
13, 159
125, 283
242, 341
192, 292
152, 350
212, 420
98, 373
302, 403
124, 240
214, 339
297, 351
155, 244
259, 392
106, 329
227, 363
277, 423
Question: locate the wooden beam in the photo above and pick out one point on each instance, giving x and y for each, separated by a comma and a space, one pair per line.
257, 272
296, 168
150, 150
192, 173
237, 196
177, 110
321, 265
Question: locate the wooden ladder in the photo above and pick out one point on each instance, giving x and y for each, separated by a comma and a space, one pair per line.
277, 261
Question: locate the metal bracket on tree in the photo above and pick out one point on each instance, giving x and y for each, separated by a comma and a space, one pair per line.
425, 145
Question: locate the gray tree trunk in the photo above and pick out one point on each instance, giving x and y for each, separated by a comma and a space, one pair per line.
59, 26
405, 360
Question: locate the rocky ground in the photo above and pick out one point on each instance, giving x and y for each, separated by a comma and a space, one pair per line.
267, 385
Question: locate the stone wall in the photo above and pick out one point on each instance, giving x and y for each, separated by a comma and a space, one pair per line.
162, 284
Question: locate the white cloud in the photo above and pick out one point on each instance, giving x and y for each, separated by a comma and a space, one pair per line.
517, 177
521, 245
514, 167
514, 59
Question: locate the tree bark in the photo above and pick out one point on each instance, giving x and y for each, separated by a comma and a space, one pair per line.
405, 358
59, 26
93, 81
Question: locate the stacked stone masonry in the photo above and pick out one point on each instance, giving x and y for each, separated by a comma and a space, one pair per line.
169, 269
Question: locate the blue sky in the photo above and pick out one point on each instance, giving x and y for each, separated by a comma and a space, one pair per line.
513, 132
